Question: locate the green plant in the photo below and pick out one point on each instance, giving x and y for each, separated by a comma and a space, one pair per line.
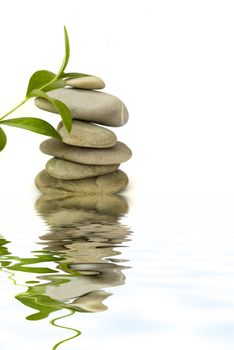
39, 84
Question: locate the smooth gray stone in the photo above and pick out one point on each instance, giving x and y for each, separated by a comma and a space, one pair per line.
89, 82
114, 155
86, 134
105, 184
93, 106
66, 170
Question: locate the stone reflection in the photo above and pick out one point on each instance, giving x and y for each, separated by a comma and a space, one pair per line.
85, 233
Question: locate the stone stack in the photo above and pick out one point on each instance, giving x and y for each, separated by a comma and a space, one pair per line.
87, 160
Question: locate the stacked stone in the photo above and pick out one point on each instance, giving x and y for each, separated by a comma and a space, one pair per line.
87, 160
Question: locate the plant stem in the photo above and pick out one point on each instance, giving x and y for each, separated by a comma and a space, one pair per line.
15, 108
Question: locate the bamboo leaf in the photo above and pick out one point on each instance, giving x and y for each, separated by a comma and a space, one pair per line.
49, 85
54, 85
33, 124
75, 75
38, 79
61, 108
42, 78
66, 55
3, 139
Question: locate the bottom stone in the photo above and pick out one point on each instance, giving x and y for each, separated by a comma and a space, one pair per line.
103, 184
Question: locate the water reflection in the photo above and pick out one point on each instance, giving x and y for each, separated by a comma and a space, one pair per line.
79, 257
86, 232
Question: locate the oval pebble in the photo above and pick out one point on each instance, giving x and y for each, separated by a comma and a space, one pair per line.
66, 170
113, 155
89, 82
86, 134
88, 105
103, 184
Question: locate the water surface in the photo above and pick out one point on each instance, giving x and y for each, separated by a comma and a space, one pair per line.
153, 272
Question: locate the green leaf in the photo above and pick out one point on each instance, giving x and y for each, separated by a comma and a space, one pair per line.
46, 80
61, 108
75, 75
33, 124
39, 79
42, 78
54, 85
3, 139
66, 55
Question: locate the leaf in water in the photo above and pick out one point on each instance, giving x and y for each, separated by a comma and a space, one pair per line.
18, 267
3, 139
3, 249
22, 263
35, 299
33, 124
62, 109
41, 78
75, 75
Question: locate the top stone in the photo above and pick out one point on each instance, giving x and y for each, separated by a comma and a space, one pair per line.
88, 105
88, 83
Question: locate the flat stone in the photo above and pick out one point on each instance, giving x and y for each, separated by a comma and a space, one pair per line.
66, 170
112, 205
89, 82
114, 155
93, 106
105, 184
86, 134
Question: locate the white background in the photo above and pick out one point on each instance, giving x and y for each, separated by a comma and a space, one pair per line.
172, 63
